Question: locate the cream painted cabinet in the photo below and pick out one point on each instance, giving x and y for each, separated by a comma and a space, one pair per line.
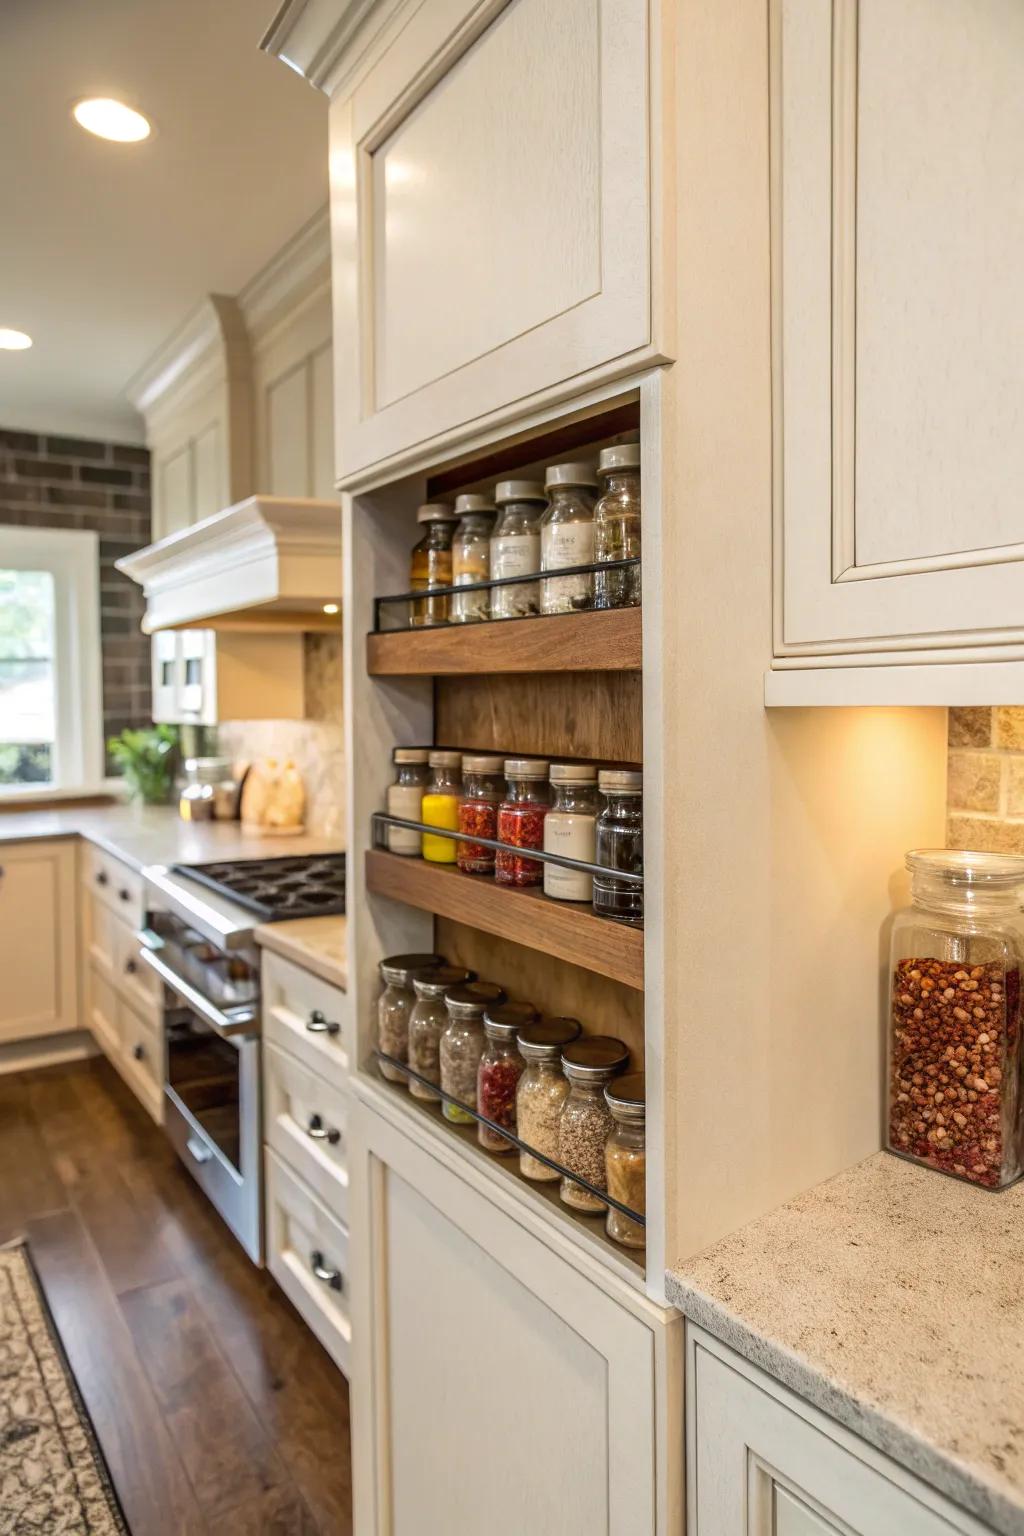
201, 677
38, 940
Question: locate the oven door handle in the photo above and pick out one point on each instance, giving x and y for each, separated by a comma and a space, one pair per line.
240, 1021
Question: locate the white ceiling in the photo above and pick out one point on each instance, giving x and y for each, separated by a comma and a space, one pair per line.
106, 248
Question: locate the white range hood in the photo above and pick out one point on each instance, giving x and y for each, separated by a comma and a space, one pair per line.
269, 562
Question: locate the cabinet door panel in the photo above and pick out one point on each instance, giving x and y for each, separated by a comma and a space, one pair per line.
38, 940
288, 433
175, 492
209, 492
322, 423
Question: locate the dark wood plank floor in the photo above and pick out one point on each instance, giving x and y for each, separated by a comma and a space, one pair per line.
216, 1408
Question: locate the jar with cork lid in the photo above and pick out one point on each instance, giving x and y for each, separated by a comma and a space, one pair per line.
405, 798
625, 1156
431, 563
471, 558
586, 1122
521, 820
567, 537
617, 526
440, 806
515, 547
570, 830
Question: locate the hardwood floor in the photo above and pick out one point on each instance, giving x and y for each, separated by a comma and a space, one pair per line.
216, 1408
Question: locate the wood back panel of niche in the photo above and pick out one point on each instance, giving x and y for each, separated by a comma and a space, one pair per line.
596, 716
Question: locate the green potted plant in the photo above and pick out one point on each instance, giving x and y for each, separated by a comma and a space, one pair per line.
146, 758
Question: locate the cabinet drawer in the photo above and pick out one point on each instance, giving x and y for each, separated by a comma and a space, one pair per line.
306, 1123
137, 984
307, 1254
142, 1057
119, 887
103, 1012
100, 927
300, 1013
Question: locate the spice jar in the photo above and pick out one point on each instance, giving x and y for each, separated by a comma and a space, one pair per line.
431, 564
483, 786
395, 1005
427, 1023
471, 558
954, 1051
515, 547
625, 1157
462, 1045
617, 526
521, 820
567, 537
570, 829
620, 845
586, 1122
501, 1067
543, 1089
405, 798
440, 806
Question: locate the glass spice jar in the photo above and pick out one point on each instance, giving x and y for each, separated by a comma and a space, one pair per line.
431, 564
620, 845
543, 1089
625, 1157
483, 785
440, 807
567, 537
462, 1045
500, 1069
570, 829
405, 798
954, 1046
521, 820
515, 547
586, 1122
471, 558
394, 1006
617, 526
427, 1023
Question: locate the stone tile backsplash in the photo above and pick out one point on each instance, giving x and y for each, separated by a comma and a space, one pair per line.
985, 792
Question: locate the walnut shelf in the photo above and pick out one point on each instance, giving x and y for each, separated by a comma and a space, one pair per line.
565, 930
607, 641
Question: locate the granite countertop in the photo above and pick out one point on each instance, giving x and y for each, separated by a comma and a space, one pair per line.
316, 944
891, 1298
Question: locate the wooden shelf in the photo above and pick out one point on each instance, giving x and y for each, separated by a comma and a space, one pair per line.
607, 641
566, 930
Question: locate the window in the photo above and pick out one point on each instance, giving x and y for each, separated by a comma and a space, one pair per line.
50, 697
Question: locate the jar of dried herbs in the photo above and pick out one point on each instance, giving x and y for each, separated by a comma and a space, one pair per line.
462, 1045
515, 547
394, 1006
501, 1067
620, 846
586, 1122
617, 526
431, 563
427, 1023
567, 537
541, 1092
471, 558
483, 786
625, 1156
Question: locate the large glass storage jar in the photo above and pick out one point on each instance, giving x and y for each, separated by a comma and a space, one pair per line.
483, 786
543, 1089
586, 1122
521, 820
570, 830
462, 1044
427, 1023
515, 547
431, 563
617, 526
394, 1006
567, 537
501, 1067
620, 846
625, 1157
954, 1059
405, 798
471, 558
440, 806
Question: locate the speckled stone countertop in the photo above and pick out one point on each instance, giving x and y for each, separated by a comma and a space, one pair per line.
317, 944
891, 1298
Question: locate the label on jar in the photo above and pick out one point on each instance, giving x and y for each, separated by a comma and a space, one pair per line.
405, 800
572, 836
515, 554
566, 544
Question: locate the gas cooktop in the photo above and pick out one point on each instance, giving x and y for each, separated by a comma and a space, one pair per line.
311, 885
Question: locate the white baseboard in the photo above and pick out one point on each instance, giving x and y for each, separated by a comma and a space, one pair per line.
47, 1051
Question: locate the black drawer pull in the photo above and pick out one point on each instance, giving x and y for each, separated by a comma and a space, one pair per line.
318, 1132
317, 1024
331, 1277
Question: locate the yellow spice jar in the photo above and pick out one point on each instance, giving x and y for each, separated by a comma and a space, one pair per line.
441, 805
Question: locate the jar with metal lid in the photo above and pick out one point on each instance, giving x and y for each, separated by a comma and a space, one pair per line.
617, 526
483, 786
586, 1122
570, 829
471, 558
405, 798
427, 1023
500, 1069
515, 547
521, 820
462, 1044
440, 806
394, 1006
541, 1092
431, 563
954, 1049
620, 846
625, 1157
567, 537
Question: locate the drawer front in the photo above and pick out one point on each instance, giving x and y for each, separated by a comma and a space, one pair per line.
103, 1012
101, 928
306, 1123
142, 1052
307, 1254
307, 1018
137, 984
117, 886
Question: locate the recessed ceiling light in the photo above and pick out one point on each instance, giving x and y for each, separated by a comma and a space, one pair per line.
110, 119
14, 341
330, 608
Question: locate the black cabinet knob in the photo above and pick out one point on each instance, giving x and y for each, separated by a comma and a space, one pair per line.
139, 1052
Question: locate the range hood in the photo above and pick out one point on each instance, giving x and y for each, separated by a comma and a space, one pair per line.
267, 563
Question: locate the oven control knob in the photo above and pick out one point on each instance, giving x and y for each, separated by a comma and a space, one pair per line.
318, 1024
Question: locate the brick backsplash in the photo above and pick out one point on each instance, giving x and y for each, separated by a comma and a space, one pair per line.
48, 481
985, 794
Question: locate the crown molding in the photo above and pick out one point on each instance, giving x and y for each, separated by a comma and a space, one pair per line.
326, 41
215, 327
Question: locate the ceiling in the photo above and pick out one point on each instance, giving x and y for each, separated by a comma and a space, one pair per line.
106, 248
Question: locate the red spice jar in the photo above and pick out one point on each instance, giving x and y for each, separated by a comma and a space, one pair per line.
953, 1078
483, 785
501, 1067
521, 820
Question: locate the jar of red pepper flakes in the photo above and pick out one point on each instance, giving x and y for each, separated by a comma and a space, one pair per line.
501, 1067
521, 820
483, 785
954, 1049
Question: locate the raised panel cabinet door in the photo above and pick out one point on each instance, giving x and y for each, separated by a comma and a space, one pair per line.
288, 433
897, 226
321, 414
38, 940
174, 477
210, 490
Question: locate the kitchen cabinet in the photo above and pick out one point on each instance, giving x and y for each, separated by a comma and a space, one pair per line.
38, 940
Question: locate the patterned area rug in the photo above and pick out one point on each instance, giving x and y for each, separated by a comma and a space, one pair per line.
53, 1480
